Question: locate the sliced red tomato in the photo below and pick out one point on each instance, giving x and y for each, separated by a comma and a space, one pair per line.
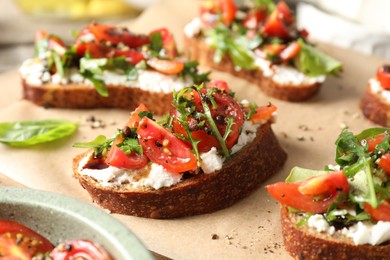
383, 76
169, 43
290, 51
275, 26
116, 35
118, 158
93, 49
381, 213
284, 10
79, 249
263, 113
219, 84
253, 19
166, 66
384, 163
229, 9
289, 194
164, 148
19, 242
327, 184
132, 56
372, 142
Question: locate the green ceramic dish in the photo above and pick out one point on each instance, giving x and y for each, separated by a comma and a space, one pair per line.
60, 218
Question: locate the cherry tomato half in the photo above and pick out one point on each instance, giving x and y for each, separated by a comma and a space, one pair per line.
384, 163
289, 194
290, 51
79, 249
229, 10
326, 184
164, 148
382, 212
169, 43
166, 66
132, 56
383, 76
275, 26
283, 9
372, 142
20, 242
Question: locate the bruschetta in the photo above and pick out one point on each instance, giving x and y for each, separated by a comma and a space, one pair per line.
260, 43
107, 66
343, 211
209, 152
375, 102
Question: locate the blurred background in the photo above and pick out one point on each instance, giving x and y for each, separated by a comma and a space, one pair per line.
361, 25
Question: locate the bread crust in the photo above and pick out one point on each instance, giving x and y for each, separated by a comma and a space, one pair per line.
303, 243
375, 108
202, 193
200, 51
84, 97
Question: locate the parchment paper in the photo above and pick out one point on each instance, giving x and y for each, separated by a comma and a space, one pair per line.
249, 229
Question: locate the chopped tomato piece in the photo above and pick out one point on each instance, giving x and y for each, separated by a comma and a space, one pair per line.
326, 184
166, 66
263, 113
253, 19
383, 76
164, 148
19, 242
275, 26
135, 118
169, 43
372, 142
94, 50
116, 35
289, 195
219, 84
384, 163
228, 11
132, 56
283, 9
54, 43
79, 249
290, 51
381, 213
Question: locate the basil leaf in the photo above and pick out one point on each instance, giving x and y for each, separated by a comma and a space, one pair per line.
27, 133
313, 62
98, 141
371, 132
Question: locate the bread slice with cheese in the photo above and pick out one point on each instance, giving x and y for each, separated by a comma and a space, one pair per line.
259, 42
304, 242
107, 67
176, 180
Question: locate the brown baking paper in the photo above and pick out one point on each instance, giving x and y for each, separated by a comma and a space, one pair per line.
250, 229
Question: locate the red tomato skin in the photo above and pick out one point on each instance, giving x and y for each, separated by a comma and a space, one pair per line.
163, 148
219, 84
384, 163
383, 76
288, 194
8, 245
116, 35
95, 51
117, 158
275, 26
263, 113
283, 9
132, 56
381, 213
134, 116
290, 51
253, 19
166, 66
229, 9
372, 142
327, 184
54, 42
79, 248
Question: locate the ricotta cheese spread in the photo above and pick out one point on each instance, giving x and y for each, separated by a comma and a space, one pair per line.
376, 88
360, 233
193, 28
35, 73
211, 161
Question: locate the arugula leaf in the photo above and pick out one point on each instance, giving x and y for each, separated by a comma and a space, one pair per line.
191, 69
130, 145
351, 155
156, 43
98, 83
27, 133
313, 62
148, 114
371, 132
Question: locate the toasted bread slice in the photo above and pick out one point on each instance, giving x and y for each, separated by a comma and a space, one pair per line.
375, 107
83, 96
197, 49
306, 243
197, 194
